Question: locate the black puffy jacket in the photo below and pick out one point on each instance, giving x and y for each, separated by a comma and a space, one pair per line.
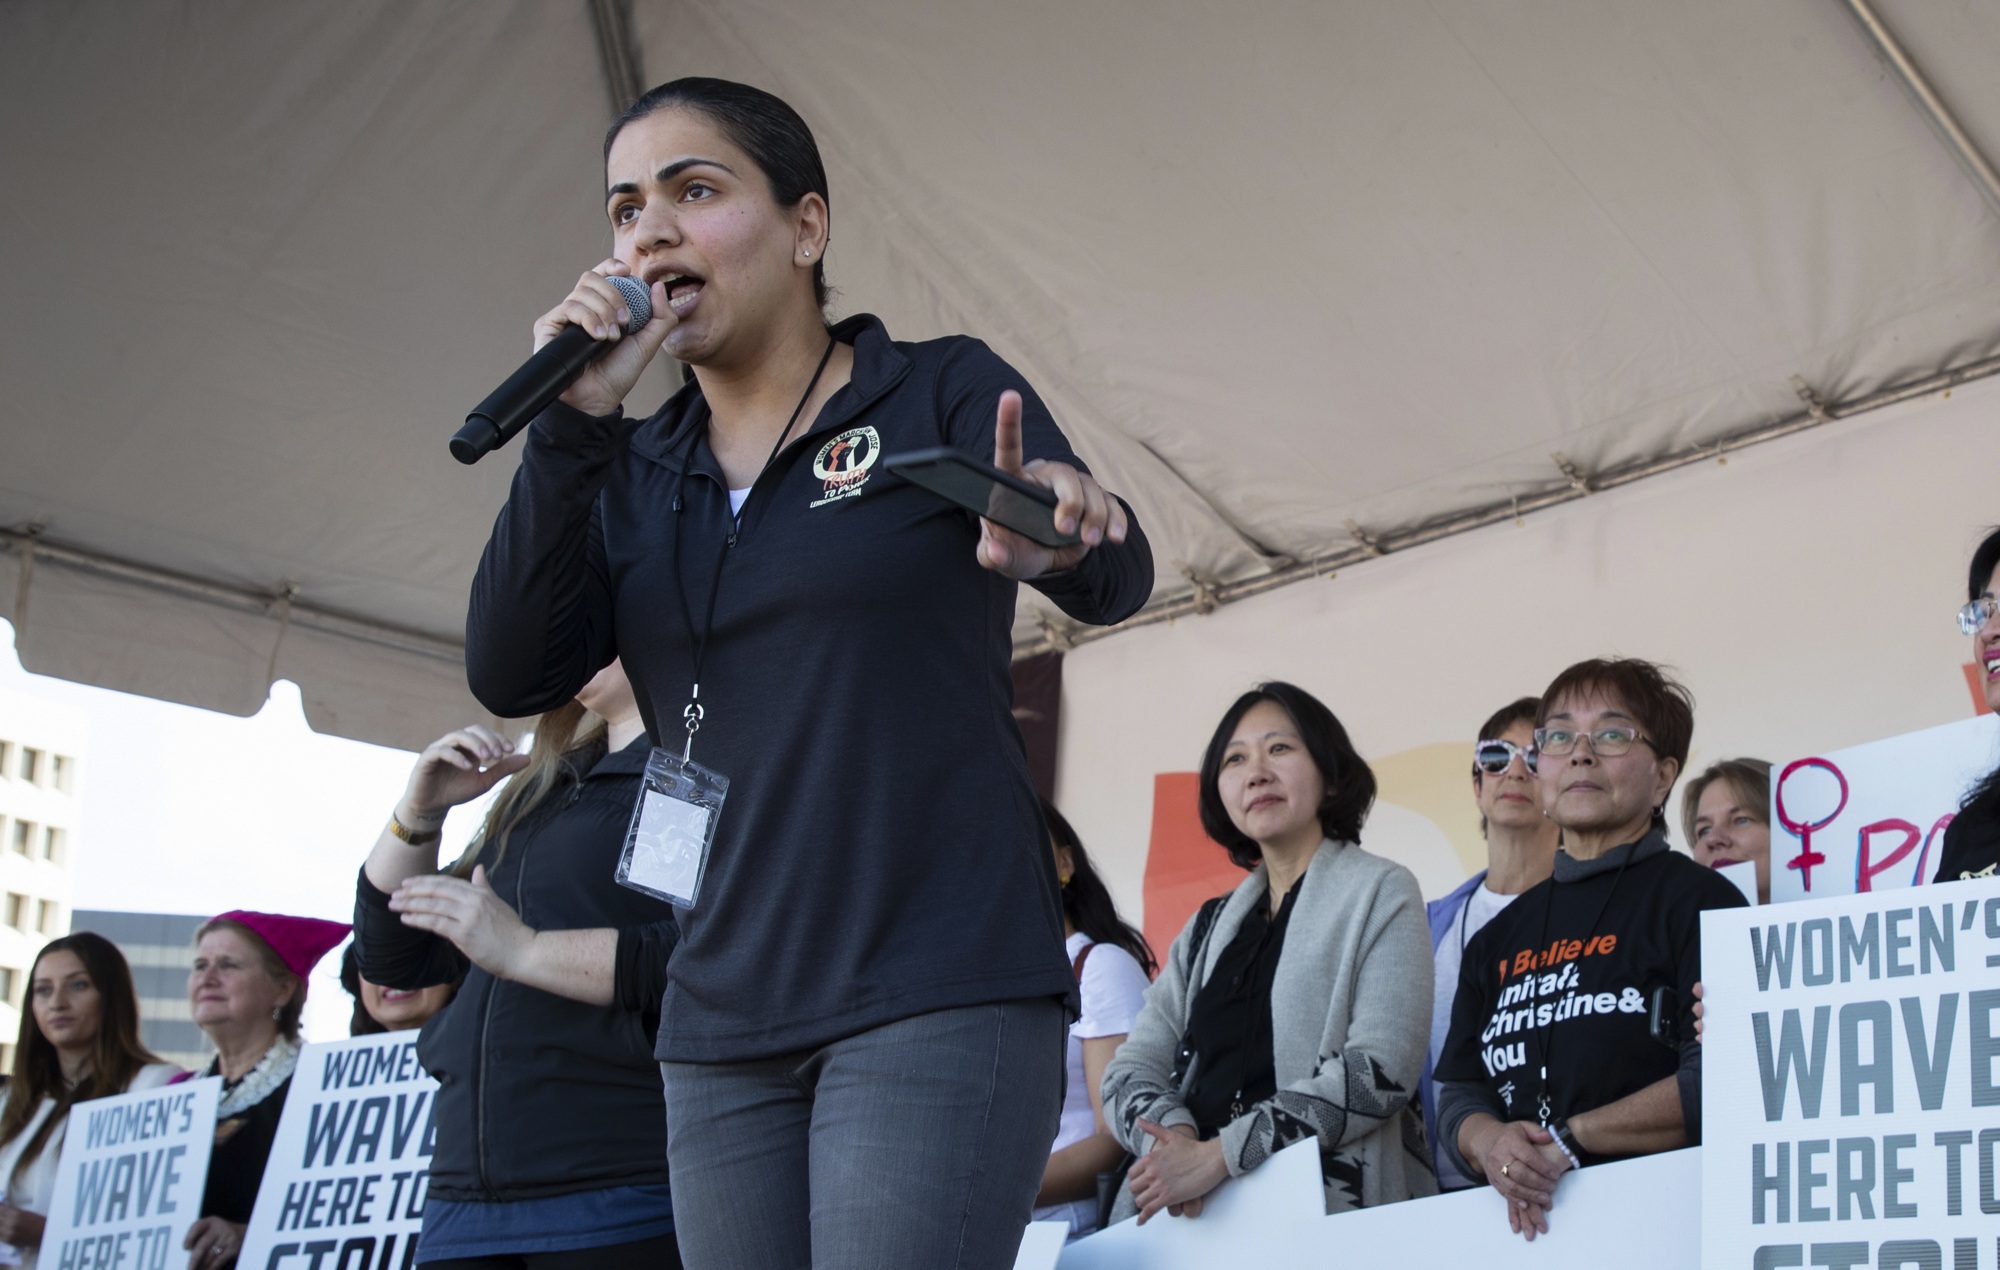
538, 1095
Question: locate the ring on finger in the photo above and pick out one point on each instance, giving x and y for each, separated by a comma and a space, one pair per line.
1505, 1167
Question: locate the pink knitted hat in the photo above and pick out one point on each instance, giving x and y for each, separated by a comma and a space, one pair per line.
299, 941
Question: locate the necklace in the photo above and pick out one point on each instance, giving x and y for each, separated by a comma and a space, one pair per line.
698, 640
257, 1084
1465, 922
1545, 1035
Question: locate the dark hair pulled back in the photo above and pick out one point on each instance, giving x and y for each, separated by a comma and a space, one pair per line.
1087, 902
761, 125
1350, 784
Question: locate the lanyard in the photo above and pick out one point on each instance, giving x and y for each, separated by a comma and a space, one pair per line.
694, 714
1547, 1035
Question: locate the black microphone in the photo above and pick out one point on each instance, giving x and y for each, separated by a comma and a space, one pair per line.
542, 378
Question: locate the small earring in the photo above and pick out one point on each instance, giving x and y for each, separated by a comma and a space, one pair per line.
809, 253
277, 1014
1065, 879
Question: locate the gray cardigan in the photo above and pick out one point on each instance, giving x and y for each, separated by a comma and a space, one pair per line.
1350, 1024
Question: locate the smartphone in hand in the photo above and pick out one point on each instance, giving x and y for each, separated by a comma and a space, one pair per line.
985, 490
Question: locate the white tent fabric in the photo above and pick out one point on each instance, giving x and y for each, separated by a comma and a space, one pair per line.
1282, 268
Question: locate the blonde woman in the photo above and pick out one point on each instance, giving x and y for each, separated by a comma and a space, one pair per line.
246, 992
551, 1127
1725, 813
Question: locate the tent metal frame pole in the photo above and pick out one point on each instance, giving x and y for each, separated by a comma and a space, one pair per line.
623, 74
1206, 598
280, 605
1935, 112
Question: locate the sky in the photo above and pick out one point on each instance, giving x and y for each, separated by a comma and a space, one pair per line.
189, 811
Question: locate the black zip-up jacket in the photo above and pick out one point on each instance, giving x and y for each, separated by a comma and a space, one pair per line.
880, 854
538, 1095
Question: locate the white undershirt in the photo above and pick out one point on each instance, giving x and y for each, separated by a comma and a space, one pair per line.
736, 497
1112, 992
1480, 907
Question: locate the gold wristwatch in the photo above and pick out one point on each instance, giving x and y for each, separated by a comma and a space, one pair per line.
423, 839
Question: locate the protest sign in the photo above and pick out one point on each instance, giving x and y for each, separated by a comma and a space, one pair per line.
1639, 1214
130, 1182
345, 1186
1041, 1245
1848, 1080
1872, 817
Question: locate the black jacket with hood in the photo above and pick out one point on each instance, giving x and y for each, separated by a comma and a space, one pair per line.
880, 854
538, 1095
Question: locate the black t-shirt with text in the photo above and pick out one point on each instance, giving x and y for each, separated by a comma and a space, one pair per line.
1566, 974
1972, 843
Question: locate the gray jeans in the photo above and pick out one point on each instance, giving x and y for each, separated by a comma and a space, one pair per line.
919, 1145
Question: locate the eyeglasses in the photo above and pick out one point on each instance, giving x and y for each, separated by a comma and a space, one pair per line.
1495, 757
1977, 614
1604, 742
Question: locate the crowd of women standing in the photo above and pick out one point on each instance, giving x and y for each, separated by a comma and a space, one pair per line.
901, 1014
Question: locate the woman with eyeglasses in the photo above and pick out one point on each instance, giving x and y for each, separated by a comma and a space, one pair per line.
1972, 841
1520, 851
1552, 1062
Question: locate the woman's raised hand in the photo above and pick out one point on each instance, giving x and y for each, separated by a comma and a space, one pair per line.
456, 768
597, 307
469, 914
1082, 507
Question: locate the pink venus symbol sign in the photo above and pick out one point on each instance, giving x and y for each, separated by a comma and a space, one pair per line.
1804, 830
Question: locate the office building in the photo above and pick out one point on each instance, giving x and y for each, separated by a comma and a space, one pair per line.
159, 947
42, 746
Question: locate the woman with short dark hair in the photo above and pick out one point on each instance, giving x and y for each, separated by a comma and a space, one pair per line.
1294, 1007
79, 1040
1551, 1063
1520, 851
1972, 840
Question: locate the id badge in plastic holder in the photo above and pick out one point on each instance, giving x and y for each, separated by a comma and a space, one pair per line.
666, 849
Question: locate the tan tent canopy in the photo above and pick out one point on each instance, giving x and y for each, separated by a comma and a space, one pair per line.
1306, 282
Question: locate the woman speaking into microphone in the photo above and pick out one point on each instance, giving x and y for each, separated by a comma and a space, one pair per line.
862, 1028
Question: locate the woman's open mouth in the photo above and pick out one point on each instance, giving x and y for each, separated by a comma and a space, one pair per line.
683, 292
391, 994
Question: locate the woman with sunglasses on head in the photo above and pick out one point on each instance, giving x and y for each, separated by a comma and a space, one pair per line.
1520, 851
1296, 1006
1552, 1062
1972, 840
